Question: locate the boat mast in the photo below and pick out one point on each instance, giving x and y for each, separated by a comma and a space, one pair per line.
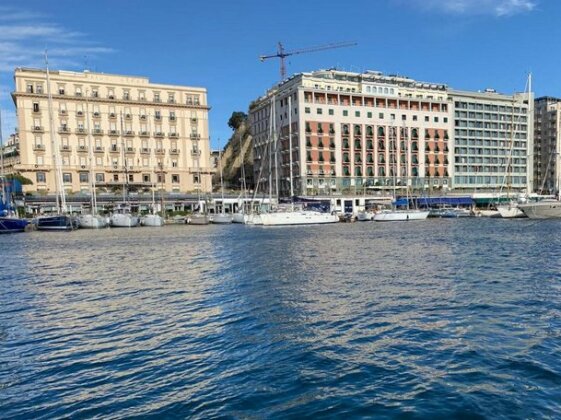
126, 179
276, 137
60, 196
290, 148
90, 156
153, 176
2, 179
270, 142
221, 178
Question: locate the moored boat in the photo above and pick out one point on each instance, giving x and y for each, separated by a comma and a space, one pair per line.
400, 215
92, 221
56, 222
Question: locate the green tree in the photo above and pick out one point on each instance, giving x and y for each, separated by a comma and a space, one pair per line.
237, 119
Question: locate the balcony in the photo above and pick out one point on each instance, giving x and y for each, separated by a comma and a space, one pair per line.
160, 152
195, 136
144, 134
78, 94
172, 118
99, 149
97, 115
113, 132
80, 130
37, 129
143, 118
128, 133
158, 134
63, 130
194, 120
114, 149
80, 114
82, 148
62, 112
39, 147
157, 100
97, 131
112, 115
65, 148
195, 152
130, 150
111, 96
173, 135
145, 151
128, 117
158, 117
174, 151
171, 101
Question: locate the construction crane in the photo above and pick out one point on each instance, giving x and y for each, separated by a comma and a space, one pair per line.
282, 54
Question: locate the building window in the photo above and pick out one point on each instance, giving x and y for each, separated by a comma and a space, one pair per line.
331, 112
426, 118
381, 116
403, 117
145, 177
357, 113
35, 106
41, 178
307, 110
369, 115
319, 111
414, 118
175, 178
345, 113
436, 119
116, 177
445, 119
84, 177
131, 178
66, 177
100, 177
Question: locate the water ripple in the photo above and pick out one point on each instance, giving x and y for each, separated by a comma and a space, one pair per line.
437, 319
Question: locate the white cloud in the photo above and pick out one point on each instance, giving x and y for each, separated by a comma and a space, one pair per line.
498, 8
24, 35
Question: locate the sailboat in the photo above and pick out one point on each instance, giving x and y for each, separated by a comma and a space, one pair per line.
9, 222
545, 209
510, 209
293, 215
122, 216
61, 221
221, 218
92, 220
200, 215
395, 214
153, 219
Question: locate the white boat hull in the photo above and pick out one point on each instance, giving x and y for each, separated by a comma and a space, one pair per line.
400, 215
364, 216
510, 211
542, 210
152, 220
253, 219
124, 220
240, 218
297, 218
91, 221
489, 213
222, 218
198, 219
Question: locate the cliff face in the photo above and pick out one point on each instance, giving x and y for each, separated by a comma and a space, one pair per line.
240, 146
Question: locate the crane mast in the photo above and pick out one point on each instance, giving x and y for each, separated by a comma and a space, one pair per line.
282, 53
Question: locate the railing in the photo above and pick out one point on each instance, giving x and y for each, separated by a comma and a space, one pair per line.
80, 130
158, 134
173, 135
160, 151
99, 149
97, 131
128, 133
114, 149
145, 150
144, 134
82, 148
174, 151
195, 136
64, 130
130, 150
65, 148
38, 147
113, 132
37, 129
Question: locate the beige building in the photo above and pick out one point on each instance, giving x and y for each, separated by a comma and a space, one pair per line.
547, 144
123, 129
352, 131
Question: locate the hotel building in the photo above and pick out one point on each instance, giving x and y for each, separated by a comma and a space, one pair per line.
493, 141
547, 144
125, 128
357, 132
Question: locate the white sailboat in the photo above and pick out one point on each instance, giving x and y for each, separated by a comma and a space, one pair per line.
92, 220
510, 209
548, 208
61, 221
200, 215
221, 218
395, 214
122, 215
292, 215
153, 219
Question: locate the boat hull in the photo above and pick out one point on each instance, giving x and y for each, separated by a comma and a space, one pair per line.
542, 210
124, 220
297, 218
12, 225
198, 219
152, 220
222, 218
365, 216
510, 212
239, 218
89, 221
55, 223
401, 215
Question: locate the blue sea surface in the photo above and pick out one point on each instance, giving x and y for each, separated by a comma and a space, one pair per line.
434, 319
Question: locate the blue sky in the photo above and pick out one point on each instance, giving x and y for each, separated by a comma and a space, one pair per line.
467, 44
